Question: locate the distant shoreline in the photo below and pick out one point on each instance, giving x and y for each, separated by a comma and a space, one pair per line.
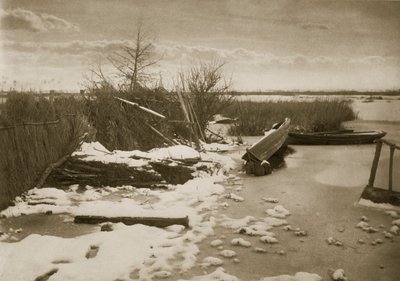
245, 93
321, 93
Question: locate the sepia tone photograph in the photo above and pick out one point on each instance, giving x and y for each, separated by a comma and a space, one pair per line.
199, 140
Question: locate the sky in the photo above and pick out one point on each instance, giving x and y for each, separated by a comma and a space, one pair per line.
265, 45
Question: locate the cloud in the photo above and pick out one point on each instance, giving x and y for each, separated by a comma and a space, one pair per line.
76, 47
249, 69
313, 26
21, 19
173, 53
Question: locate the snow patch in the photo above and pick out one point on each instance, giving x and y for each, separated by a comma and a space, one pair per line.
278, 212
227, 253
227, 222
268, 239
212, 261
219, 274
240, 242
369, 203
338, 275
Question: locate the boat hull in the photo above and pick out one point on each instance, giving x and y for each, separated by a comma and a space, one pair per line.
257, 155
339, 138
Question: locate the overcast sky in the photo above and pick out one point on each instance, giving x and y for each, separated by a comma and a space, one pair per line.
267, 45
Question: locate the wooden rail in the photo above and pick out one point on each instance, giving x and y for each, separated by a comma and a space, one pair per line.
374, 167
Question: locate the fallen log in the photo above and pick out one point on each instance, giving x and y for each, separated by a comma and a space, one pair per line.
150, 221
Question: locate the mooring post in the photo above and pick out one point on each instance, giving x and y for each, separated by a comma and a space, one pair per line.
375, 164
392, 148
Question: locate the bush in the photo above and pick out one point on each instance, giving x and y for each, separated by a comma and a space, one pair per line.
125, 127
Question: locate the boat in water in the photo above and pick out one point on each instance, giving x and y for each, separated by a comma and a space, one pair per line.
258, 154
335, 138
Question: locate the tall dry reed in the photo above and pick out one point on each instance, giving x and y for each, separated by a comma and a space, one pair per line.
318, 115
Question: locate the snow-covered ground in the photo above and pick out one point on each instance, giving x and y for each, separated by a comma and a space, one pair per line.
136, 252
293, 225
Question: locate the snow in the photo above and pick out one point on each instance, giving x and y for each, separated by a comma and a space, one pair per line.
278, 212
258, 229
139, 250
270, 199
218, 147
241, 242
218, 275
268, 239
338, 275
228, 253
299, 276
393, 214
395, 229
227, 222
235, 197
95, 151
216, 243
396, 222
275, 221
202, 192
189, 199
369, 203
260, 250
212, 261
114, 259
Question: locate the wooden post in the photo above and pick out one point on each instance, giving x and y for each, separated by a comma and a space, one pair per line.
375, 164
392, 148
187, 116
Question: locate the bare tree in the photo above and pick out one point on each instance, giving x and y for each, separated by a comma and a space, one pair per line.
207, 88
133, 62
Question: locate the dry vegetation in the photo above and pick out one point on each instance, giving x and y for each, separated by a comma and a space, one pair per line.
319, 115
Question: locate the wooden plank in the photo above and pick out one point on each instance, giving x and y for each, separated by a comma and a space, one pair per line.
375, 164
390, 144
150, 221
392, 148
142, 107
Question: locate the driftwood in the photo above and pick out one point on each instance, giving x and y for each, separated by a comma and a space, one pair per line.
95, 173
49, 169
150, 221
46, 276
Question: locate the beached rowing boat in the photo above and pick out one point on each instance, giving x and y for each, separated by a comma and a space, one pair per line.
339, 137
257, 155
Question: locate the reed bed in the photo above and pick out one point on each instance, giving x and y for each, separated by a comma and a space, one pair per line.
314, 116
33, 135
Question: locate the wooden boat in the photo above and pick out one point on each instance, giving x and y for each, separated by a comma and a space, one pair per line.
257, 155
336, 137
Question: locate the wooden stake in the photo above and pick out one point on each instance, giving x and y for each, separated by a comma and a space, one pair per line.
187, 116
375, 164
215, 134
196, 120
392, 148
161, 135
